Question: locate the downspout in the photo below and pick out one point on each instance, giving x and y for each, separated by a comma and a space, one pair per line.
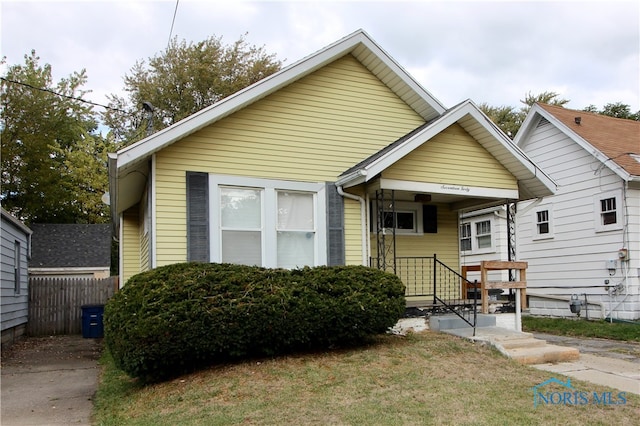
363, 220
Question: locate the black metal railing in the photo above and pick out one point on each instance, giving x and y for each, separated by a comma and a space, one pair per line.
430, 279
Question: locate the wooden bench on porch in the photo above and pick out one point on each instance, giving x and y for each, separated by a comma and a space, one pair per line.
485, 285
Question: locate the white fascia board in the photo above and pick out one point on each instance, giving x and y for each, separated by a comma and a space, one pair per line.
583, 143
264, 87
449, 189
451, 117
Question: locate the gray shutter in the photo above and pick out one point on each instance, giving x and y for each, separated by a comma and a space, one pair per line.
197, 217
335, 226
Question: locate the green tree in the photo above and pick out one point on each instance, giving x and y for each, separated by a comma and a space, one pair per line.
182, 80
615, 109
53, 161
509, 119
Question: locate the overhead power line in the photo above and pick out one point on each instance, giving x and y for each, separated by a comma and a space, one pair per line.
173, 21
62, 95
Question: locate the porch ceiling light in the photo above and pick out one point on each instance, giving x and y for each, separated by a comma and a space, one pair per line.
422, 198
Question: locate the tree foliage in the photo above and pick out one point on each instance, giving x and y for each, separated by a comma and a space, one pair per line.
53, 160
184, 79
616, 109
509, 119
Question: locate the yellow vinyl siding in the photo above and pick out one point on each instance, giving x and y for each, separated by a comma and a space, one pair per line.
444, 244
312, 130
352, 232
130, 243
452, 157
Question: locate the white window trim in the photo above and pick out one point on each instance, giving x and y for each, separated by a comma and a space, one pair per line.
534, 221
597, 211
269, 189
474, 236
403, 207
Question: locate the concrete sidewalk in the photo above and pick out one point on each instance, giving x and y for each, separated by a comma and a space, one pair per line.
604, 362
50, 381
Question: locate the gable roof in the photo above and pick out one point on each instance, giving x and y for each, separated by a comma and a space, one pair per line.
613, 141
70, 245
15, 221
359, 44
533, 182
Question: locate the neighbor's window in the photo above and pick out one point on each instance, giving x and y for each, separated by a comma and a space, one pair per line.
16, 267
608, 211
543, 223
465, 237
483, 234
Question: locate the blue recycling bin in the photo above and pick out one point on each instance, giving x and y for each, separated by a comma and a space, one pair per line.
92, 325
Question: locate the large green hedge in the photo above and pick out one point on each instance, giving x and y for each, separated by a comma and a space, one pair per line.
183, 316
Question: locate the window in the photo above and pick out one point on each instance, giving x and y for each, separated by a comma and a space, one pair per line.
607, 211
241, 225
407, 219
404, 221
483, 234
17, 265
542, 222
465, 237
296, 229
267, 222
475, 235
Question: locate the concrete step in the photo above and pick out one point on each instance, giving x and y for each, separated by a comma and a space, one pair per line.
522, 347
449, 322
543, 354
524, 342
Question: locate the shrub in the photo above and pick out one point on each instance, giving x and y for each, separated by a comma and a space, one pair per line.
179, 317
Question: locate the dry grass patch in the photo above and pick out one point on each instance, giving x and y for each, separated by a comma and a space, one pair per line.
426, 378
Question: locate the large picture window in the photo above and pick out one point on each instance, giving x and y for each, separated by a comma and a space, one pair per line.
267, 222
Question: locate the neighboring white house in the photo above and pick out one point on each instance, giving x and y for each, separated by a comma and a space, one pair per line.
15, 240
484, 236
583, 242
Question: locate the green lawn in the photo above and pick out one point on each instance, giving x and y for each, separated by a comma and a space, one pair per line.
421, 379
582, 328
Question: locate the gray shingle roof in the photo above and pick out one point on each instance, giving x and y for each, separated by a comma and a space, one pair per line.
70, 245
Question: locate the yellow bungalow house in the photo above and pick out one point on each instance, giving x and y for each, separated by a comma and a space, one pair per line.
339, 158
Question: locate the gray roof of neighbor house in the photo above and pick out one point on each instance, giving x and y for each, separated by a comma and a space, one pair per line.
70, 245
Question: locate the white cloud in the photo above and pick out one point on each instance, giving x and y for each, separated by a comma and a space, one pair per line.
492, 52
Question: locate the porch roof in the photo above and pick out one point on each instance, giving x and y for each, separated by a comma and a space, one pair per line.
532, 181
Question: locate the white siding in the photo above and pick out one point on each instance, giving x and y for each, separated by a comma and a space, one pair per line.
573, 260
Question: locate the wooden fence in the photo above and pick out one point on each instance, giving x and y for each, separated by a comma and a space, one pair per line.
55, 304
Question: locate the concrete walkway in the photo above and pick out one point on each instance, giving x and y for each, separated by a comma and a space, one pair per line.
600, 361
49, 381
604, 362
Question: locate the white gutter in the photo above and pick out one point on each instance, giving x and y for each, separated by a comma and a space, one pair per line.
363, 220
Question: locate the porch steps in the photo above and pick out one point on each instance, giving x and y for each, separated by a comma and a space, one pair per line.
519, 346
